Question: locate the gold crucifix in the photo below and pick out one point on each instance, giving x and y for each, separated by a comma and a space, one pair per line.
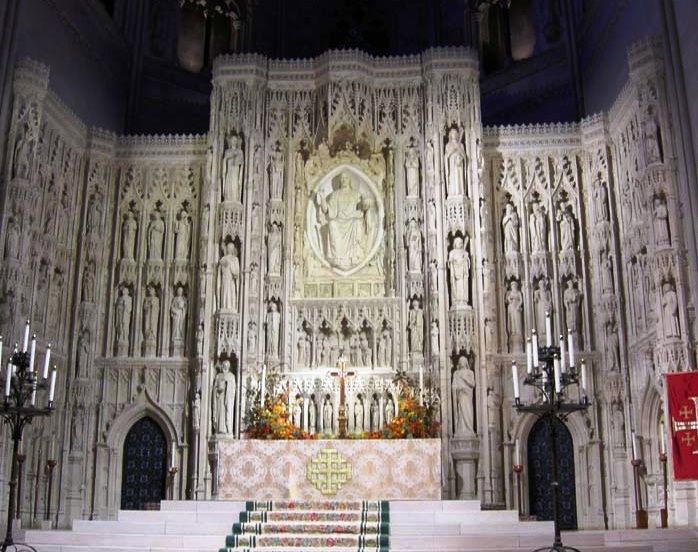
342, 373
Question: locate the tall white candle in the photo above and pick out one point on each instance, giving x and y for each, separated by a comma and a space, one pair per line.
632, 442
584, 378
174, 454
534, 345
548, 330
46, 361
0, 350
262, 385
26, 337
529, 356
8, 379
517, 455
52, 386
556, 369
515, 378
421, 385
32, 354
662, 439
52, 449
563, 356
570, 347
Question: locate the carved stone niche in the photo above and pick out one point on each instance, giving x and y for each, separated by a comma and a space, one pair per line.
462, 329
228, 334
459, 216
230, 220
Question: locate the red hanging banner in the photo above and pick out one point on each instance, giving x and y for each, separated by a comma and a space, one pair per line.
682, 392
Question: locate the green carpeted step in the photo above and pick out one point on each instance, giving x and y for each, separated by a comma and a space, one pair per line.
269, 505
367, 542
319, 528
264, 516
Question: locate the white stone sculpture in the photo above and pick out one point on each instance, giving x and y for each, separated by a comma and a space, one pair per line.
182, 233
543, 300
566, 219
151, 317
274, 251
514, 303
223, 399
129, 228
570, 298
600, 197
459, 266
414, 246
416, 327
463, 387
273, 323
93, 222
538, 228
670, 308
510, 228
276, 172
122, 320
661, 222
12, 239
412, 169
156, 236
228, 278
24, 145
233, 161
611, 347
454, 161
178, 315
434, 334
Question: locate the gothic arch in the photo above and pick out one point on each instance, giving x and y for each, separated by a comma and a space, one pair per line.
143, 406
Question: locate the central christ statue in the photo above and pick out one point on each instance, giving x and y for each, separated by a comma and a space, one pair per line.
346, 221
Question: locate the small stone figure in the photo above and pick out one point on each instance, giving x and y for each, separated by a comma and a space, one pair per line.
156, 236
459, 265
178, 314
389, 409
223, 399
454, 160
128, 236
416, 328
670, 308
566, 219
414, 247
600, 195
661, 222
151, 316
274, 252
276, 172
611, 347
24, 145
412, 169
571, 300
434, 337
327, 416
12, 240
538, 228
228, 278
543, 300
273, 322
88, 283
359, 414
182, 233
233, 160
510, 229
122, 320
94, 214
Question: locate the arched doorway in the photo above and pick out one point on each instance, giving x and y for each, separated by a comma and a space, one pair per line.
144, 469
540, 475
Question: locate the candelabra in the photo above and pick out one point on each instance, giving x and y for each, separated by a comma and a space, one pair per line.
21, 384
548, 373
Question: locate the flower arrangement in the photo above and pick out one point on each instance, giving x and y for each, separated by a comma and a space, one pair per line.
273, 421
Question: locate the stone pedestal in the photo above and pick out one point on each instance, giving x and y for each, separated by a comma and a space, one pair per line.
465, 452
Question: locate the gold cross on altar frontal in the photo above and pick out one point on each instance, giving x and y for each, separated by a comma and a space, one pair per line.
342, 373
328, 471
686, 425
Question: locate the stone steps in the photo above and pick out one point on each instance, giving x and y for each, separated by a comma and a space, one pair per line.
415, 526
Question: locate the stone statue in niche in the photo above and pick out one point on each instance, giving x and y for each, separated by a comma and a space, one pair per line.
83, 353
12, 238
274, 251
543, 299
514, 303
233, 160
434, 333
156, 236
429, 168
228, 278
303, 350
570, 298
273, 327
412, 169
365, 353
454, 163
375, 410
433, 276
327, 416
459, 266
24, 144
385, 348
196, 412
297, 412
312, 415
256, 218
600, 196
94, 213
347, 222
389, 409
416, 327
359, 413
463, 388
276, 172
566, 220
88, 283
670, 310
122, 320
129, 227
182, 235
223, 399
651, 133
414, 246
252, 338
611, 347
151, 317
510, 228
606, 273
661, 222
254, 280
178, 318
200, 340
538, 228
618, 426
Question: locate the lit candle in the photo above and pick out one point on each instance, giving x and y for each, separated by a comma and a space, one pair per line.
534, 345
563, 357
52, 449
556, 369
515, 378
570, 347
26, 337
548, 330
32, 354
262, 385
529, 356
517, 456
8, 379
52, 386
46, 361
584, 378
33, 398
174, 454
662, 439
632, 442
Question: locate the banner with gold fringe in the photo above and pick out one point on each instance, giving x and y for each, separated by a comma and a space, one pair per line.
682, 393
